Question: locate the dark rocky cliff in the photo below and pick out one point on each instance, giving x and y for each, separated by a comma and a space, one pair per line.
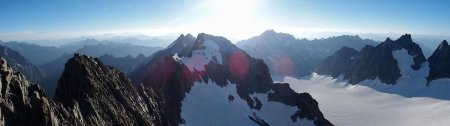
439, 62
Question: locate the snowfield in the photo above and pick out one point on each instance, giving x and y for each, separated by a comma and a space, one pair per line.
207, 104
360, 105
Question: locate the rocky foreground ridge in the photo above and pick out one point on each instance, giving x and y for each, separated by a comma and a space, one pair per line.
88, 93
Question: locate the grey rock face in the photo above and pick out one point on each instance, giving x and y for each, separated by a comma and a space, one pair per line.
23, 103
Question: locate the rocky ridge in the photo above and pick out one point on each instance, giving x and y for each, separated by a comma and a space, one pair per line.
88, 93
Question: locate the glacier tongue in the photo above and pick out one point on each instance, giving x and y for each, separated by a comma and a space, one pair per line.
404, 63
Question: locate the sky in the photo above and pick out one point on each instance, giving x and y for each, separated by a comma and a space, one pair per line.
238, 19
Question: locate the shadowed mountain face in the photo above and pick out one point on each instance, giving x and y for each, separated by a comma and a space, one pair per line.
126, 64
117, 50
21, 64
288, 56
373, 62
37, 54
440, 62
184, 68
338, 63
42, 55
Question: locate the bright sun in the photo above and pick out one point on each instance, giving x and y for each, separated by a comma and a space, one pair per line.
236, 18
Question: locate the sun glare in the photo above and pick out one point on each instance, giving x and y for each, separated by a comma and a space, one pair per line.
236, 18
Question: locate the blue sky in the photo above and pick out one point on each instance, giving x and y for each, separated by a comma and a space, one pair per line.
39, 19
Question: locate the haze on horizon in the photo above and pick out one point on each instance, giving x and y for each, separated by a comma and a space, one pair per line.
236, 19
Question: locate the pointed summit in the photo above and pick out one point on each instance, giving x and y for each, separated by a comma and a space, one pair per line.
389, 39
439, 62
189, 36
182, 40
444, 43
269, 32
405, 38
183, 37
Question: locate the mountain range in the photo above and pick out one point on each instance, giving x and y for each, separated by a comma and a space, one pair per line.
206, 80
396, 66
289, 56
41, 55
92, 93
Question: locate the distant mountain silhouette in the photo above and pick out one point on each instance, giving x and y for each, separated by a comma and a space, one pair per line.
117, 50
37, 54
374, 62
41, 55
288, 56
127, 64
20, 64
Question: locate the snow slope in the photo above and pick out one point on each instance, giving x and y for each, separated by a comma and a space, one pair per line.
201, 57
361, 105
207, 104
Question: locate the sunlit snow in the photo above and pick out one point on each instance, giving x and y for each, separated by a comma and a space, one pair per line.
201, 57
207, 104
359, 105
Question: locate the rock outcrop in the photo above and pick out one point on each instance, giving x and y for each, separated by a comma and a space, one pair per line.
439, 62
24, 103
338, 63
